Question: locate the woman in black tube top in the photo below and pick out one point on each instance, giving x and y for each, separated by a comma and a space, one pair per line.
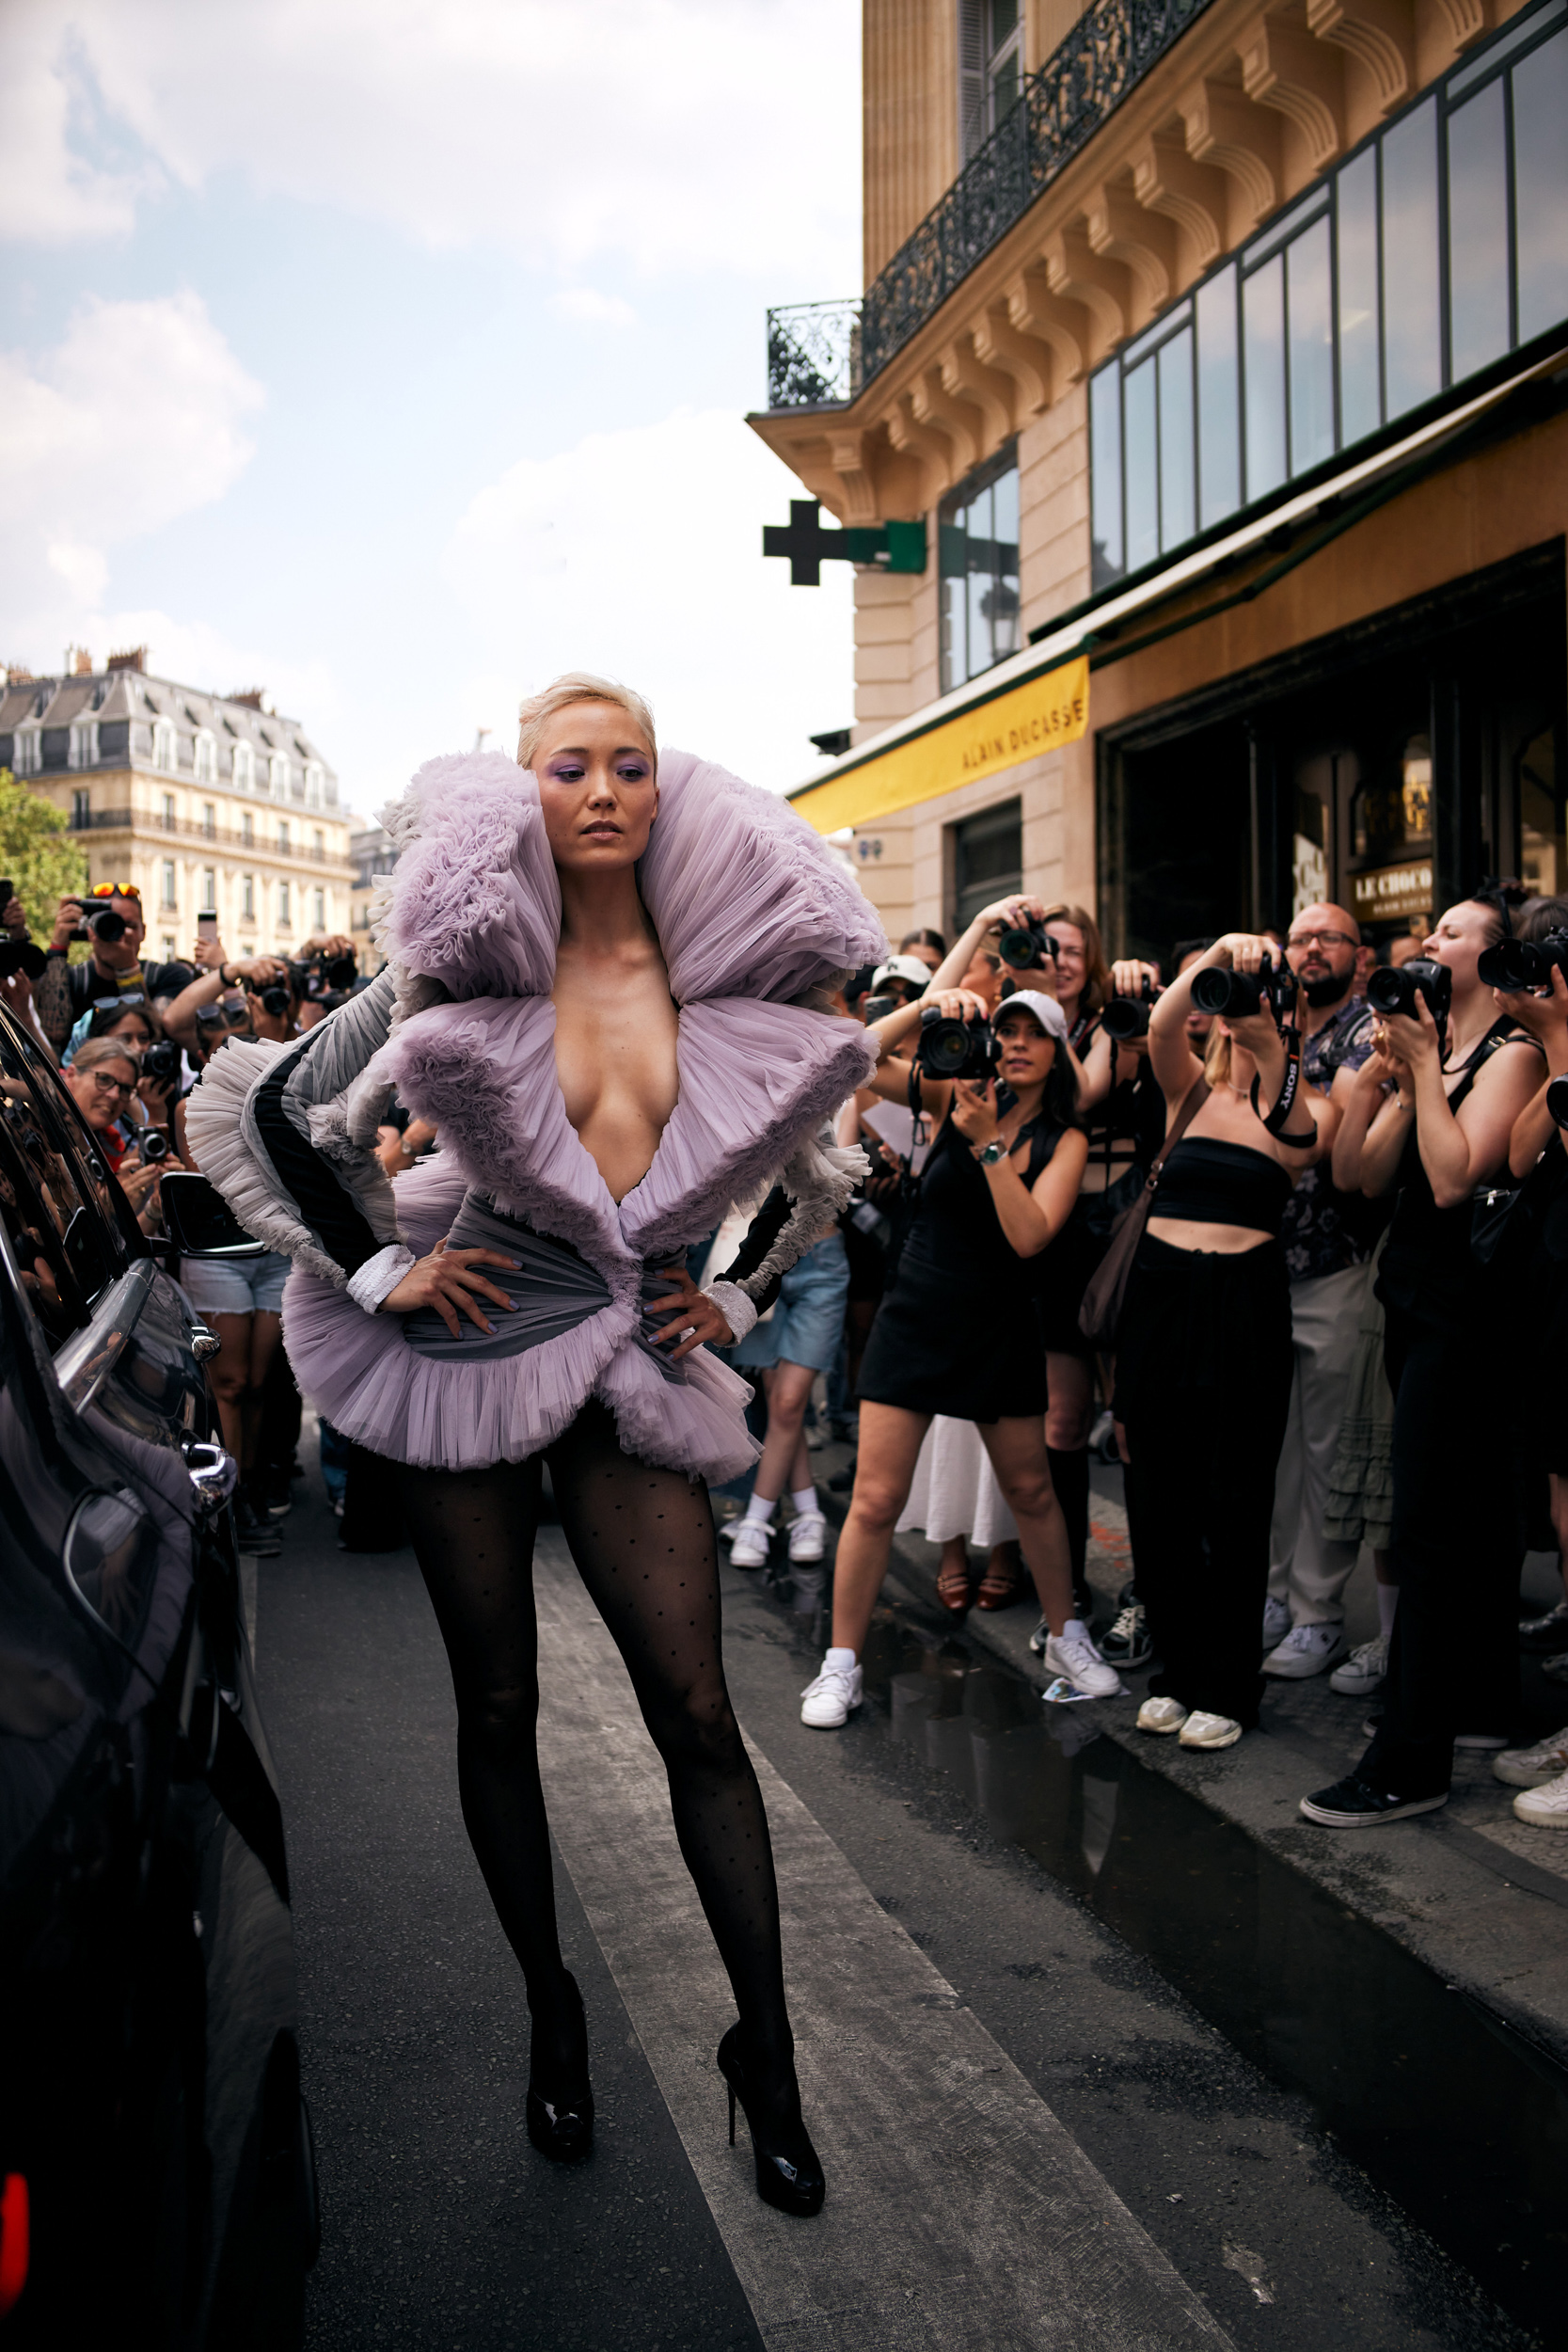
1203, 1358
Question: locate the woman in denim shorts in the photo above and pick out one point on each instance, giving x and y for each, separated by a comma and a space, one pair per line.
799, 1339
243, 1300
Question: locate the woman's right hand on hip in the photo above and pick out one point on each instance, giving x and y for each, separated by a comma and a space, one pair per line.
449, 1279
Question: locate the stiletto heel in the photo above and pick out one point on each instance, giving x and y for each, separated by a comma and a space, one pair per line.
789, 2173
562, 2126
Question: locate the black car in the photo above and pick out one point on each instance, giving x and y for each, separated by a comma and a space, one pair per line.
156, 2182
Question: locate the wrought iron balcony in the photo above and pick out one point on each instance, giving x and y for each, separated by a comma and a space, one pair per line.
822, 355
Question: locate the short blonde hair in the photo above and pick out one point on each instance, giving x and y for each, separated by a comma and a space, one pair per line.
577, 686
1216, 1056
96, 1050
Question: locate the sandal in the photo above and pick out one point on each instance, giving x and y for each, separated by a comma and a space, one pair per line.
1004, 1581
953, 1588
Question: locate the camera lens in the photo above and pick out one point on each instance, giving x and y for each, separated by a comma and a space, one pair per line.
161, 1061
276, 1000
1512, 963
106, 926
153, 1146
1233, 994
1125, 1018
944, 1046
1024, 947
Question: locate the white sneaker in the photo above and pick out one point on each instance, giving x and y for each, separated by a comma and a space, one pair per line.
1209, 1731
808, 1537
1276, 1622
1307, 1649
1532, 1768
751, 1543
1546, 1807
1074, 1655
1364, 1671
833, 1698
1161, 1715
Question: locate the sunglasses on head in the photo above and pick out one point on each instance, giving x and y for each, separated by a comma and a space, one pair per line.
114, 890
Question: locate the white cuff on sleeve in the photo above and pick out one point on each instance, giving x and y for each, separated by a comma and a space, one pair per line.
739, 1310
379, 1275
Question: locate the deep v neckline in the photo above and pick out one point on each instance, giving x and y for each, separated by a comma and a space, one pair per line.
615, 1206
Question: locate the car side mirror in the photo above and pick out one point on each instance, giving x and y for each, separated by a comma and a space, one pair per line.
201, 1222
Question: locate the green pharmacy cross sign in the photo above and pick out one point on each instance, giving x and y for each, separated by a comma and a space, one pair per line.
897, 547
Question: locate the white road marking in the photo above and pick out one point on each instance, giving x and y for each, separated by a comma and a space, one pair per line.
959, 2211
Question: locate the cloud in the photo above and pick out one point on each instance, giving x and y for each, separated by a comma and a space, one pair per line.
673, 134
49, 191
593, 308
135, 417
639, 554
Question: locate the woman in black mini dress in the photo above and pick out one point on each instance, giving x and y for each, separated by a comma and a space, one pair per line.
957, 1331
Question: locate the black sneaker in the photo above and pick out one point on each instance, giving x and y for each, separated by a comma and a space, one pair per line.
1354, 1803
1544, 1637
1127, 1643
255, 1534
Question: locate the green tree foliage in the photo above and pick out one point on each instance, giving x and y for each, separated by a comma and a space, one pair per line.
37, 853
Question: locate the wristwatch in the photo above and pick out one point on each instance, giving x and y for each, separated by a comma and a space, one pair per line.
994, 1151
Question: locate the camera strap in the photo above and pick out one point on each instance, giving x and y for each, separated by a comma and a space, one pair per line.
1278, 1120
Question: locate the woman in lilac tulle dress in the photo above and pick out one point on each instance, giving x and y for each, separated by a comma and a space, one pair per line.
606, 989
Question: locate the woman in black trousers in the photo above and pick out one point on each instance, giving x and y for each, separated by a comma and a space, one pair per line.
1204, 1356
1429, 1116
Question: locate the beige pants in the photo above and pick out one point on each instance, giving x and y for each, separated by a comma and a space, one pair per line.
1305, 1571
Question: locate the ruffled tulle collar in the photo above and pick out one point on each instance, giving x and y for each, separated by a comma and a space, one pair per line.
746, 899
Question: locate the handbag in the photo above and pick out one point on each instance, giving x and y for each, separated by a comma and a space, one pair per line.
1101, 1311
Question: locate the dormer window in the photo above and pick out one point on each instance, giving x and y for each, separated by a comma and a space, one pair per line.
279, 775
313, 783
206, 757
165, 745
83, 743
245, 768
28, 754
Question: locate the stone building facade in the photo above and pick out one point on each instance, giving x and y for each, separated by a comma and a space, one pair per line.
205, 801
1223, 349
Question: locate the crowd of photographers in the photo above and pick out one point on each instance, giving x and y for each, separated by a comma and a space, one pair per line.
1265, 1219
130, 1038
1265, 1214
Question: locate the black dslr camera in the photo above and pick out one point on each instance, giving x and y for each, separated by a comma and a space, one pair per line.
103, 924
1397, 988
159, 1062
1030, 944
19, 955
955, 1049
325, 976
1514, 964
1235, 995
1126, 1018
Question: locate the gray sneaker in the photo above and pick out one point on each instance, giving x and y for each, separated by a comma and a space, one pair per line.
1305, 1650
1364, 1670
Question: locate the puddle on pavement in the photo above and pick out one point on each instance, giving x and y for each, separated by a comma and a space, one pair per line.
1459, 2120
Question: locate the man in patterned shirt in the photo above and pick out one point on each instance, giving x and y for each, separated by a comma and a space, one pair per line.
1304, 1621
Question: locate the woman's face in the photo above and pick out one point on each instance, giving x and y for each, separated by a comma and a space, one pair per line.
597, 787
1027, 1053
1458, 939
1072, 963
133, 1028
984, 980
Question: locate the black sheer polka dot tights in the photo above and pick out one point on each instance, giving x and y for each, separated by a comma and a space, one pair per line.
643, 1541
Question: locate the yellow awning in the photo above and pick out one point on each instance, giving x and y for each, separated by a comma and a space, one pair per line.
1038, 716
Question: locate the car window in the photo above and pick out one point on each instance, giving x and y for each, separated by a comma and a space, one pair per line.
54, 1199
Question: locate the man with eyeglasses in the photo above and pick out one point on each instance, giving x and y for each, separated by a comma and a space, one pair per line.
113, 968
1304, 1618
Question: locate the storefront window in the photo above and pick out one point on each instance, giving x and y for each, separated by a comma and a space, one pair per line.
988, 860
1331, 322
1542, 851
978, 543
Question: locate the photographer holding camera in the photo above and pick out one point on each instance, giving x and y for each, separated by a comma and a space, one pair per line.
109, 917
1203, 1342
1326, 1252
269, 987
1429, 1119
1057, 950
956, 1333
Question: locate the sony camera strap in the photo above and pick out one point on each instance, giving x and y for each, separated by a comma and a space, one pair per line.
1277, 1120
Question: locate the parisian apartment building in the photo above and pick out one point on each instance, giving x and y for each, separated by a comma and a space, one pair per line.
1199, 442
209, 803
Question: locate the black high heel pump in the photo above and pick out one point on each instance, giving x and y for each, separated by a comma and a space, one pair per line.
562, 2126
789, 2173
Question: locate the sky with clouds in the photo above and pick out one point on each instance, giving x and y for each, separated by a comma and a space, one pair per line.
393, 355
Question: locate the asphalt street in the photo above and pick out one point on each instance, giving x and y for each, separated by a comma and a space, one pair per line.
996, 2080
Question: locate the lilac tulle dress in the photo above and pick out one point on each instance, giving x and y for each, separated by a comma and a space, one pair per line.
752, 913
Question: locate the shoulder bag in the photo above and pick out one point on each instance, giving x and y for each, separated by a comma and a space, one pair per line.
1101, 1311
